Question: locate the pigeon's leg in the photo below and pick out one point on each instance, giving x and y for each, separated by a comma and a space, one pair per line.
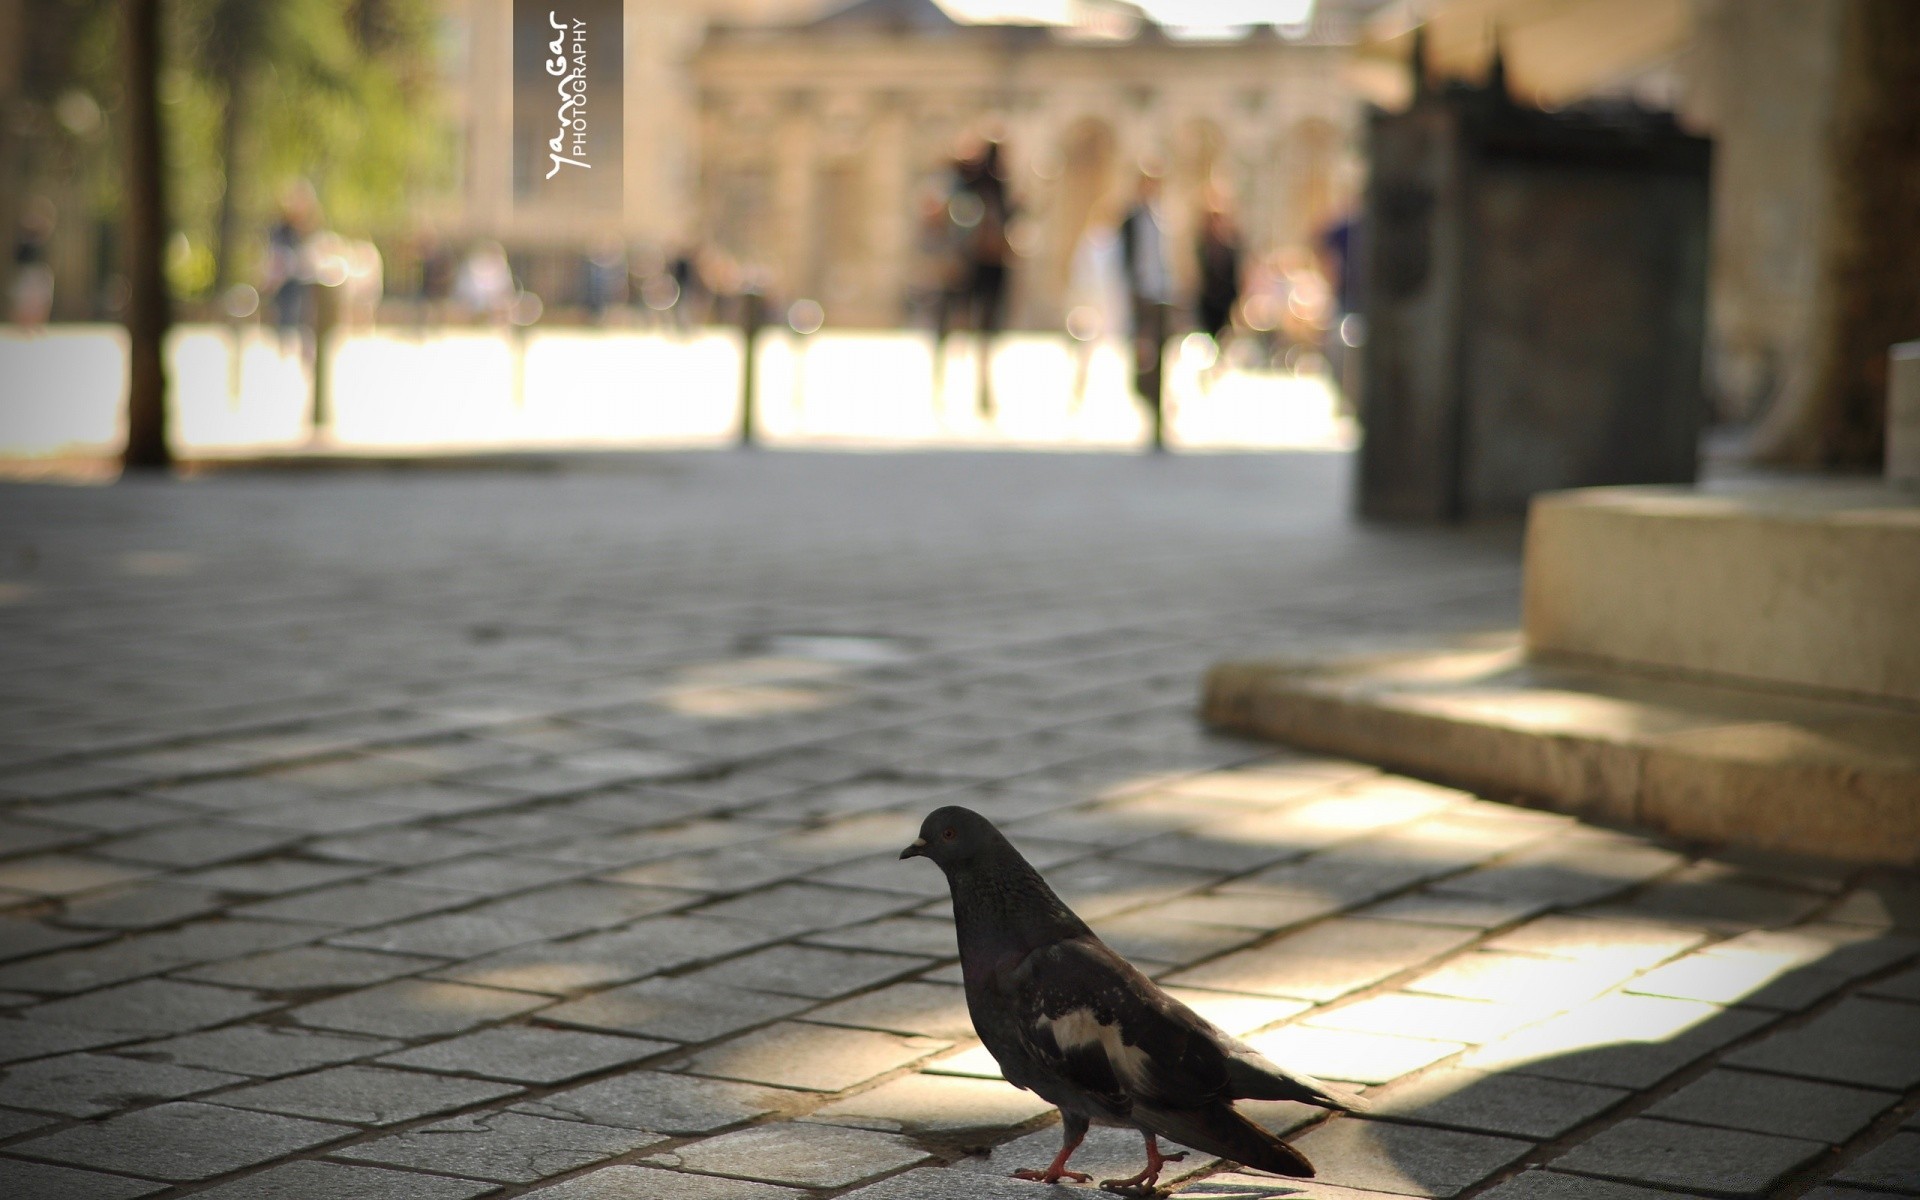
1143, 1183
1073, 1131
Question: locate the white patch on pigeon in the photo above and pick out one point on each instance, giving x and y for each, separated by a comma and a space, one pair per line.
1080, 1027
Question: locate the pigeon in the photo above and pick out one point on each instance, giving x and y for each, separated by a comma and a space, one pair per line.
1072, 1021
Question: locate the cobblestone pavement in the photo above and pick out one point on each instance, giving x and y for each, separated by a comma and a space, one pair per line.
435, 835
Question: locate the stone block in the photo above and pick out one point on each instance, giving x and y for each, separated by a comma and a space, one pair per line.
152, 1006
1690, 1157
797, 1154
1405, 1159
817, 1058
87, 1085
810, 971
1326, 961
682, 1010
940, 1104
181, 1141
1861, 1041
627, 1183
1894, 1164
1522, 1106
43, 1182
527, 1054
508, 1147
1775, 1104
343, 1181
365, 1095
663, 1102
412, 1008
261, 1049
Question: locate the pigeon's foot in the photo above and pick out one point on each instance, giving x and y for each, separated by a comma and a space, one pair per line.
1053, 1174
1144, 1183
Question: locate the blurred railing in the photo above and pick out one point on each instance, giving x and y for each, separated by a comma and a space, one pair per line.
242, 389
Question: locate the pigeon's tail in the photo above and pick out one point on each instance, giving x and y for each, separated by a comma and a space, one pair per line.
1222, 1132
1252, 1077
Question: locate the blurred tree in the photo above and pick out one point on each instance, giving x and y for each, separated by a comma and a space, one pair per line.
283, 90
149, 307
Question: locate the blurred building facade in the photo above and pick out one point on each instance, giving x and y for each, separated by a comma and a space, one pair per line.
796, 141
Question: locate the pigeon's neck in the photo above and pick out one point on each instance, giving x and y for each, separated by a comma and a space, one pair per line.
1004, 906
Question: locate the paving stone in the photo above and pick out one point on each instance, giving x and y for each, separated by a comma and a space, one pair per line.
798, 1153
934, 1104
627, 1183
86, 1085
20, 938
1439, 908
1442, 1018
1551, 983
193, 844
811, 971
340, 1181
895, 935
1618, 1040
1552, 1185
410, 1008
486, 874
926, 1009
807, 907
39, 1181
682, 1010
816, 1058
352, 905
1405, 1159
365, 1095
1350, 1056
447, 935
1894, 1165
527, 1054
1634, 943
933, 1183
1753, 981
654, 1100
1800, 1108
1565, 874
274, 876
1262, 910
1326, 961
22, 1040
387, 845
1873, 1043
180, 1141
508, 1147
145, 905
1517, 1105
148, 954
66, 874
1695, 1157
260, 1049
152, 1006
1713, 897
1147, 935
1904, 986
13, 1122
308, 967
615, 956
1237, 1014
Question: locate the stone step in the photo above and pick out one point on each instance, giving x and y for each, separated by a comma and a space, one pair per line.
1766, 768
1809, 584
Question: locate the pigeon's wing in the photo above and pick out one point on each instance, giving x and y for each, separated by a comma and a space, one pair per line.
1086, 1015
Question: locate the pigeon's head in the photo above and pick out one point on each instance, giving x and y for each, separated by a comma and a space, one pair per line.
952, 836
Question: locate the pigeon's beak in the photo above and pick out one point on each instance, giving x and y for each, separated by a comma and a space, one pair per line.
917, 850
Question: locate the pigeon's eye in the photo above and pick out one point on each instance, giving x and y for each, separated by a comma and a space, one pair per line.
949, 835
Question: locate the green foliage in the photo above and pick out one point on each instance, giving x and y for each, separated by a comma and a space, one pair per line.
340, 95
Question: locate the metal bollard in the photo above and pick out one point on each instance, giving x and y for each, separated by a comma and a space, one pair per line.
751, 316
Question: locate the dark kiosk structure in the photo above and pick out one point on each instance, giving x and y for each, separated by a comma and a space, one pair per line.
1535, 293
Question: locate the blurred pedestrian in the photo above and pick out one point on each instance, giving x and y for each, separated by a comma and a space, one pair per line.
483, 287
290, 269
1219, 254
30, 302
1097, 294
1143, 249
